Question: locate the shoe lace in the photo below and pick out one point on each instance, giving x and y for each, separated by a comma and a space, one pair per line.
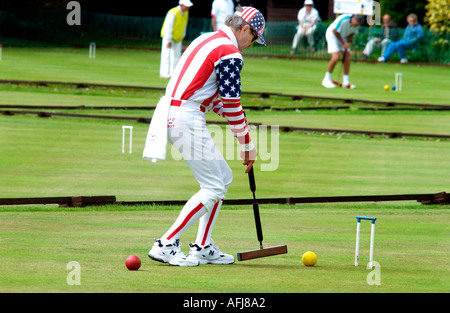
175, 244
216, 248
158, 241
196, 246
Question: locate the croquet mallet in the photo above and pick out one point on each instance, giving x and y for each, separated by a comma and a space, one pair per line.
337, 82
261, 252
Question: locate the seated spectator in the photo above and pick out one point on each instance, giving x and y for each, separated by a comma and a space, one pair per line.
388, 34
307, 18
411, 37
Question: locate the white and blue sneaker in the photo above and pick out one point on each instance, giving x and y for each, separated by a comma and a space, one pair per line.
209, 254
171, 253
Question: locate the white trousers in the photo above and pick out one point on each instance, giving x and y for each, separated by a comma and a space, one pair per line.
299, 36
334, 45
188, 133
371, 44
169, 57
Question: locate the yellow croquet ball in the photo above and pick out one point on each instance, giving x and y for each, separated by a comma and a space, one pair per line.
309, 258
386, 87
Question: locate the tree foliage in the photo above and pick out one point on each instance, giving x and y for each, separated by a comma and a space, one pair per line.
438, 18
399, 10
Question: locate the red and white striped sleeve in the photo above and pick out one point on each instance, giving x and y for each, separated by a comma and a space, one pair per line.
228, 72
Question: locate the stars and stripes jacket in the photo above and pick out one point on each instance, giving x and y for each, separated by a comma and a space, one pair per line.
209, 73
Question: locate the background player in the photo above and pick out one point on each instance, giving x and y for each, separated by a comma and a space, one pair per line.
172, 34
339, 35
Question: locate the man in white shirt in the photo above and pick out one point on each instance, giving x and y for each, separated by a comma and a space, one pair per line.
221, 9
339, 36
307, 18
172, 34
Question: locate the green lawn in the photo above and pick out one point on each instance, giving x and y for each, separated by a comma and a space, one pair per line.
411, 247
62, 156
71, 156
421, 84
431, 122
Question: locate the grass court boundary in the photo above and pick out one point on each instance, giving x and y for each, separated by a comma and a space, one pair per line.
282, 128
261, 94
440, 198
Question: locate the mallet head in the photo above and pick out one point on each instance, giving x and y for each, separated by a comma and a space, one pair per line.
261, 253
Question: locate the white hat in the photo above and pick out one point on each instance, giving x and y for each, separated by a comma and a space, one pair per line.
309, 2
187, 3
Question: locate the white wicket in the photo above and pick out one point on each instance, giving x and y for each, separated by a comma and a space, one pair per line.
372, 238
92, 47
398, 81
1, 48
124, 128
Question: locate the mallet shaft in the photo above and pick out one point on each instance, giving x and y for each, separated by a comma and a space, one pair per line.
261, 252
251, 179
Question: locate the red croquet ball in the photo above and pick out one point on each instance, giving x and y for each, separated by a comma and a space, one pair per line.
133, 263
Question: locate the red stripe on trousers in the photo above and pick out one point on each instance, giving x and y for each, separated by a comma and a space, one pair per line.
186, 220
211, 218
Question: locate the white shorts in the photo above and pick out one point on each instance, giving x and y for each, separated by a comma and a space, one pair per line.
334, 45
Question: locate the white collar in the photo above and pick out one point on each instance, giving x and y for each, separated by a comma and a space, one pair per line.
227, 30
181, 11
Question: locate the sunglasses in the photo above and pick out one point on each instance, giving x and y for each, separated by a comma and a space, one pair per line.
255, 34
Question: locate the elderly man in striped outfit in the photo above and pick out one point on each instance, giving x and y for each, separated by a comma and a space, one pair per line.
207, 78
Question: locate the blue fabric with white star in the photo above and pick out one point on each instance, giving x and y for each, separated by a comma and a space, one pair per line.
258, 22
228, 72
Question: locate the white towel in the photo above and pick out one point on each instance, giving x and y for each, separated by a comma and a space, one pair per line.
156, 142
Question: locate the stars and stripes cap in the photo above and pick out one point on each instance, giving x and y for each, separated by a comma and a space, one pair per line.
256, 20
